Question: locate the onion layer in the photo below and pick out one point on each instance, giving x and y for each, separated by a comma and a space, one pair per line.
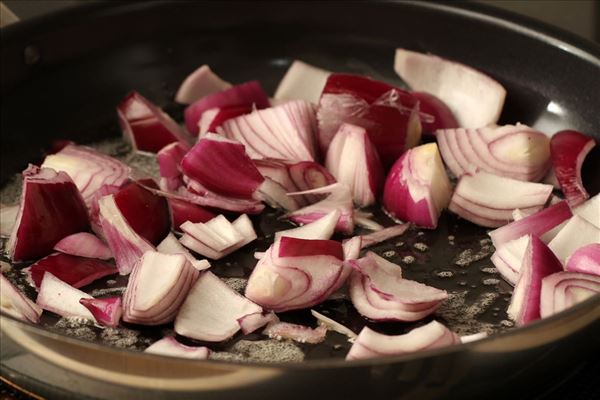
565, 289
590, 211
298, 333
432, 106
302, 81
15, 303
169, 346
585, 259
73, 270
107, 311
62, 299
84, 244
200, 83
575, 234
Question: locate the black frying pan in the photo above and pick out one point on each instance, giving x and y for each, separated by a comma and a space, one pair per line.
62, 76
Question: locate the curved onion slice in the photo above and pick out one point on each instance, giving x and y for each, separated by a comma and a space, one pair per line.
417, 188
246, 94
169, 346
389, 114
169, 161
73, 270
213, 118
353, 160
434, 107
251, 322
379, 292
298, 333
146, 126
182, 211
61, 298
508, 258
332, 325
107, 311
8, 217
575, 234
514, 151
212, 310
200, 83
296, 273
89, 169
352, 248
308, 175
585, 259
475, 99
590, 211
94, 208
284, 132
84, 244
383, 235
15, 303
565, 289
51, 208
302, 81
370, 344
170, 245
538, 263
482, 198
321, 228
198, 195
569, 149
157, 287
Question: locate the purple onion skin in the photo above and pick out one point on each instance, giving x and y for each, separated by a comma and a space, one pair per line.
73, 270
107, 311
443, 117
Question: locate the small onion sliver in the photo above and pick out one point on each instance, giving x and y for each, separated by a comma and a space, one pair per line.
84, 244
107, 311
15, 303
169, 346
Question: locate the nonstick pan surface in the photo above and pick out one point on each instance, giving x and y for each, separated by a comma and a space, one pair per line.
63, 75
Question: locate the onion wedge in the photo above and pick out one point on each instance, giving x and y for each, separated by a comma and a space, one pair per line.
585, 260
565, 289
302, 81
61, 298
73, 270
169, 346
107, 311
431, 106
17, 304
575, 234
200, 83
298, 333
590, 211
84, 244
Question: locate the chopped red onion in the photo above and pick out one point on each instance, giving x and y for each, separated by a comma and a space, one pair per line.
94, 208
353, 160
332, 325
538, 263
107, 311
575, 234
302, 81
89, 169
212, 310
475, 99
283, 132
363, 219
308, 175
182, 211
370, 344
514, 151
389, 114
251, 322
51, 208
126, 245
206, 198
352, 248
170, 245
158, 286
169, 346
200, 83
562, 290
84, 244
379, 292
8, 217
275, 195
321, 228
61, 298
169, 161
146, 126
213, 118
590, 211
17, 304
508, 258
585, 259
473, 337
383, 235
481, 198
417, 188
246, 94
432, 106
298, 333
73, 270
569, 149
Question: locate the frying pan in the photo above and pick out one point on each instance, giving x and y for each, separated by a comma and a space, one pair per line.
63, 74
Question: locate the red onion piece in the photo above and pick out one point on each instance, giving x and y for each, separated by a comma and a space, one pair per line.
508, 258
298, 333
231, 171
89, 169
285, 132
353, 160
332, 325
275, 195
538, 224
482, 199
379, 292
585, 259
213, 118
436, 108
539, 262
340, 198
302, 81
352, 248
575, 234
200, 83
126, 245
417, 188
321, 228
106, 311
565, 289
205, 198
51, 208
169, 161
170, 245
569, 149
370, 344
246, 94
383, 235
94, 208
389, 114
308, 175
17, 304
305, 274
363, 219
194, 239
61, 298
182, 211
157, 287
8, 217
590, 211
84, 244
212, 310
146, 126
473, 337
73, 270
169, 346
218, 233
475, 99
251, 322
